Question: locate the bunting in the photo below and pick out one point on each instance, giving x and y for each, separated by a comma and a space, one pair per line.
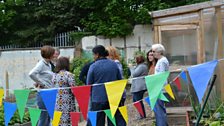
124, 113
92, 116
177, 82
138, 106
34, 115
75, 116
21, 100
9, 110
200, 76
112, 119
56, 119
169, 91
49, 98
82, 94
183, 75
154, 85
114, 98
1, 96
163, 97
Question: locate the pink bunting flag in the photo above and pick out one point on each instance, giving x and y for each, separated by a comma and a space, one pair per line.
177, 82
139, 108
75, 116
82, 94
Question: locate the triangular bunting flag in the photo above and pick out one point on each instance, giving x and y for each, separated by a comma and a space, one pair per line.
163, 97
9, 110
139, 108
1, 96
200, 76
177, 82
92, 117
114, 98
82, 94
75, 116
108, 113
154, 85
169, 91
57, 117
183, 75
124, 113
147, 100
21, 100
49, 98
34, 115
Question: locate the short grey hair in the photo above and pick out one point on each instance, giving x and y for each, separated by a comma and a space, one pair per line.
57, 49
159, 48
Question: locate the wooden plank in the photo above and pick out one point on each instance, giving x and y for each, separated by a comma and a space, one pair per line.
185, 9
219, 30
160, 34
220, 79
177, 27
155, 35
200, 36
196, 22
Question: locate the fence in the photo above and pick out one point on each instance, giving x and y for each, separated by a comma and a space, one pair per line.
60, 40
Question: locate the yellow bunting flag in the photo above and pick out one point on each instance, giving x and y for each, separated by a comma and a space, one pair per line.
124, 113
56, 120
169, 91
1, 96
115, 90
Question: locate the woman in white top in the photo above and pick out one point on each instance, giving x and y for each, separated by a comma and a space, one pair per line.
42, 75
162, 65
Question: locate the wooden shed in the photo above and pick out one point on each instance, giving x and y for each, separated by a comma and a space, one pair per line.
192, 34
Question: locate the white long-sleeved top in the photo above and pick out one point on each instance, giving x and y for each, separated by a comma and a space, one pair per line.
42, 74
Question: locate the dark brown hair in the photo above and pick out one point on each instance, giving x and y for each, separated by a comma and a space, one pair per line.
140, 59
150, 63
47, 52
62, 64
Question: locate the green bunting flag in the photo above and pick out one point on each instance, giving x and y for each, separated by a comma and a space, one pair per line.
21, 100
154, 85
163, 97
34, 115
108, 113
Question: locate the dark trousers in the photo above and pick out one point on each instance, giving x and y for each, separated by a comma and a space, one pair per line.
95, 106
138, 96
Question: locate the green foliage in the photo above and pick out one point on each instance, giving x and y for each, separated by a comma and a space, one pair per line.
77, 36
125, 68
15, 119
27, 22
77, 65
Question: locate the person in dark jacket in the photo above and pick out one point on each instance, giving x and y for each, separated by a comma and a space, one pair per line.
84, 72
103, 70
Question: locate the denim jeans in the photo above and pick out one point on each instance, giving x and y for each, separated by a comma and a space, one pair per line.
44, 119
160, 113
95, 106
138, 96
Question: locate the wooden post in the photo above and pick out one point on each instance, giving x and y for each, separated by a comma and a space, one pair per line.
219, 31
7, 84
125, 48
160, 34
201, 40
139, 43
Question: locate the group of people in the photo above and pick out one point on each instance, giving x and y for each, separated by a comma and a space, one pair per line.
53, 72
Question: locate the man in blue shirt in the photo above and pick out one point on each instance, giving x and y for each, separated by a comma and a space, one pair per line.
101, 71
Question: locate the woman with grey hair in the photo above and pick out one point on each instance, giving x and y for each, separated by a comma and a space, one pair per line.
162, 65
